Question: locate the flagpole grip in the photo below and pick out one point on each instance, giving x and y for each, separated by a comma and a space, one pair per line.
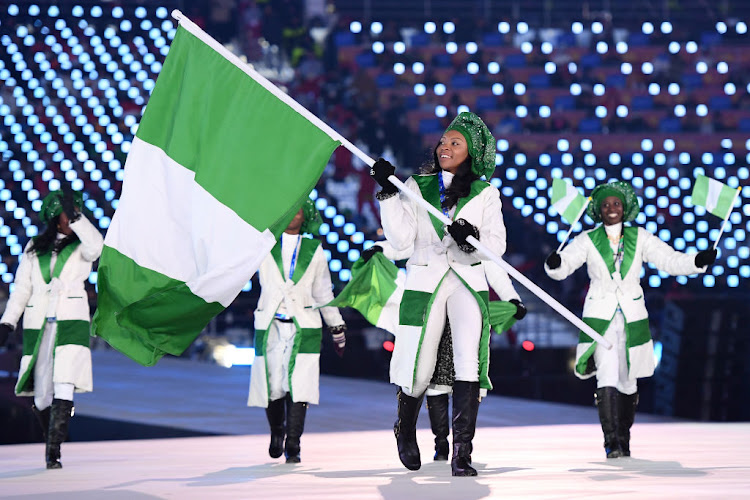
726, 219
580, 214
530, 285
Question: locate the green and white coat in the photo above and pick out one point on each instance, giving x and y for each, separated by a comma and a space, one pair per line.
435, 253
310, 287
611, 289
40, 292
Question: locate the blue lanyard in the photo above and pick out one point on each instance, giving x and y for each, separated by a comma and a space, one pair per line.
442, 195
292, 264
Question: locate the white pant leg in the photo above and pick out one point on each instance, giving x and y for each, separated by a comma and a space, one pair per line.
64, 391
465, 318
44, 367
612, 364
278, 353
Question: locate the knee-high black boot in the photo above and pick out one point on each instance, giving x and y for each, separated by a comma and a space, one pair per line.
60, 413
405, 430
606, 402
438, 410
43, 418
295, 426
465, 409
275, 415
627, 404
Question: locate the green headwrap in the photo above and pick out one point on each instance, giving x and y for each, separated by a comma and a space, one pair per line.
313, 221
623, 190
479, 139
52, 204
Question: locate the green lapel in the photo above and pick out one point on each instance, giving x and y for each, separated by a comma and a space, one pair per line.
601, 243
62, 258
430, 189
307, 249
476, 188
631, 240
429, 186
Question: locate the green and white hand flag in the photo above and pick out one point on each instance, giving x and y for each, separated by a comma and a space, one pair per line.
715, 196
566, 199
219, 165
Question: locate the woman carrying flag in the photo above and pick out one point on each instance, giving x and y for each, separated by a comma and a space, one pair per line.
49, 291
444, 278
614, 254
285, 375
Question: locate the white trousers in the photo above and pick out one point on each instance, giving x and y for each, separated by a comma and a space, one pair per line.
612, 364
279, 345
45, 389
465, 317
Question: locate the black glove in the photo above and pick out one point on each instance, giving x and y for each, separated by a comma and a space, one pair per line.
5, 331
380, 171
338, 333
367, 254
553, 260
460, 230
69, 207
520, 308
705, 258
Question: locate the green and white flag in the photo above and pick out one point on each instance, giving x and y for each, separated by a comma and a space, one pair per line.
717, 197
567, 200
219, 165
375, 290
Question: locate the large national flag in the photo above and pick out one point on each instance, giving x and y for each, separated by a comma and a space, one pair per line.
717, 197
377, 286
218, 166
567, 200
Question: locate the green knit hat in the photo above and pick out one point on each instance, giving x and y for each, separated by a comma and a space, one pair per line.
480, 142
313, 220
624, 191
52, 204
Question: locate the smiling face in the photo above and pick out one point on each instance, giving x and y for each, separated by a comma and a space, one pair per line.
452, 151
611, 210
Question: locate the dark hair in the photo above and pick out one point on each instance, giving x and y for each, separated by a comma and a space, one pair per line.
461, 185
47, 241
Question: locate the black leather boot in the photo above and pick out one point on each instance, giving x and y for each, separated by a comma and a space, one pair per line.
295, 426
606, 402
275, 415
60, 413
626, 405
43, 418
465, 409
437, 406
405, 430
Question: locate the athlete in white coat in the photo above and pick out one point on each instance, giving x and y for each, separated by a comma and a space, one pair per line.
444, 278
614, 254
294, 280
49, 292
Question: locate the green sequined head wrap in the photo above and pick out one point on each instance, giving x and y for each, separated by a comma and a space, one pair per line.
622, 190
52, 204
313, 221
481, 143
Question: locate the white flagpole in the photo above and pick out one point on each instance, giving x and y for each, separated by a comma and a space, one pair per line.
580, 214
533, 287
208, 40
726, 219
